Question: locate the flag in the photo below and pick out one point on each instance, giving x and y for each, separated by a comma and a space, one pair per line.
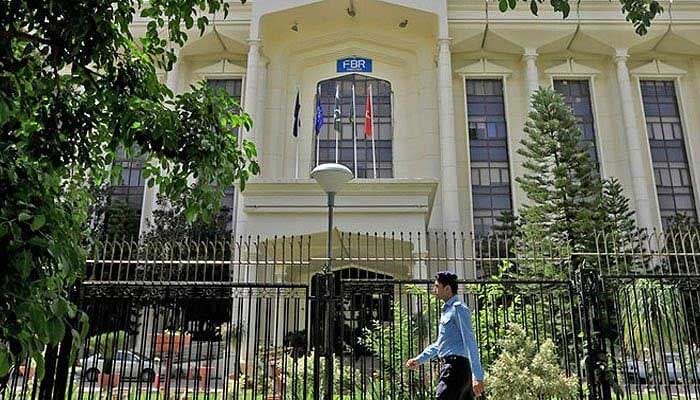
337, 124
369, 114
318, 118
297, 120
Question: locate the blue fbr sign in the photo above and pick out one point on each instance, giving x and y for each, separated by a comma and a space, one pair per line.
354, 64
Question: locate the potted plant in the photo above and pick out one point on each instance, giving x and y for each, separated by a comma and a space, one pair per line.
171, 341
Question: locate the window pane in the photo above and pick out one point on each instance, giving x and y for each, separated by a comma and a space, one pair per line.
488, 152
577, 96
367, 158
668, 154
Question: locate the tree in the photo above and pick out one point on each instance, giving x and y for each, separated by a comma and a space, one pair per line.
170, 224
639, 12
619, 236
75, 87
120, 220
561, 184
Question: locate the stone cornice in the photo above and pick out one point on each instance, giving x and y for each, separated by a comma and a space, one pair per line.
359, 196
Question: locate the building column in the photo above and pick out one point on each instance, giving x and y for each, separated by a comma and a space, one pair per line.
448, 145
532, 80
260, 112
634, 142
252, 82
250, 106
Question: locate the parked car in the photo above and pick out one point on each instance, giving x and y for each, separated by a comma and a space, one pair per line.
670, 369
126, 363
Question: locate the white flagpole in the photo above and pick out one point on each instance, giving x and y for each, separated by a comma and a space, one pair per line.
354, 130
317, 147
337, 102
296, 157
374, 133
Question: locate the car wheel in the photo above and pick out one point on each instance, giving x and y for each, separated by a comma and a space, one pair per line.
178, 373
148, 375
92, 374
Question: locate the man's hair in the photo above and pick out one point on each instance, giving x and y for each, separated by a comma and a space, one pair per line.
447, 278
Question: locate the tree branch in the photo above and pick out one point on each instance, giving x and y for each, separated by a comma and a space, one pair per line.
14, 34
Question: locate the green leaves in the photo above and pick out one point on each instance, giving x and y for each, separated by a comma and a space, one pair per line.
61, 132
640, 12
5, 360
38, 222
561, 184
531, 371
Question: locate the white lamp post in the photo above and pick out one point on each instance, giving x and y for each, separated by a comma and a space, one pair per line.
332, 177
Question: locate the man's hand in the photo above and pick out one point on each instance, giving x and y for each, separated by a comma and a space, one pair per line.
412, 364
478, 387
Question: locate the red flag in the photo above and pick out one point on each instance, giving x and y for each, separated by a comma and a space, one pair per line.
369, 115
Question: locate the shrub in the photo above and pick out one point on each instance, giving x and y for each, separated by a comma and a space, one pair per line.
525, 372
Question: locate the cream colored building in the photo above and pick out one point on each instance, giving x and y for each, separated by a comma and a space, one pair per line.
451, 80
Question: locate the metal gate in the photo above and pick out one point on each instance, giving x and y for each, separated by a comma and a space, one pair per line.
265, 320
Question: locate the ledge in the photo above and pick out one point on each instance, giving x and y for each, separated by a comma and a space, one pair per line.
361, 196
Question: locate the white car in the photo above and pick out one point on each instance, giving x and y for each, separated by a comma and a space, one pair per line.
643, 370
126, 363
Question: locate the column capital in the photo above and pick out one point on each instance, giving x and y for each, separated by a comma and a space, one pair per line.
530, 54
444, 41
621, 55
254, 42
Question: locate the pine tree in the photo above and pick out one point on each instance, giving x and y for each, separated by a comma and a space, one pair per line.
561, 184
619, 216
619, 233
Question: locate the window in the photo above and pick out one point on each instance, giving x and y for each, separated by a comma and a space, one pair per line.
381, 99
234, 88
130, 187
488, 149
674, 186
577, 95
125, 198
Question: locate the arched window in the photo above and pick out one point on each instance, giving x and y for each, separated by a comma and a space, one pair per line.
381, 96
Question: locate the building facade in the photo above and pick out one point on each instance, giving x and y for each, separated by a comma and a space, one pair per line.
450, 81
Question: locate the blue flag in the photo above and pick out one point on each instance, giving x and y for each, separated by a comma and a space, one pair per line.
318, 117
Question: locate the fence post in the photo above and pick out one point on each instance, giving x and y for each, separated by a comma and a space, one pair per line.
588, 283
322, 332
329, 325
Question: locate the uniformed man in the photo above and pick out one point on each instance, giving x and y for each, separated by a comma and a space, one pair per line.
461, 376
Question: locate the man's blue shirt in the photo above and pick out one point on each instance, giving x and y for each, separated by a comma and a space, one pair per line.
456, 337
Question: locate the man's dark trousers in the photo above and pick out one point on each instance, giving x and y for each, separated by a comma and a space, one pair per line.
455, 381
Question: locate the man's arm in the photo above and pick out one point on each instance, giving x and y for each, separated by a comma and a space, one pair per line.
469, 339
429, 353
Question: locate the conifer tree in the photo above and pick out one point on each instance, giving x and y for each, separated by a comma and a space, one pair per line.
562, 186
619, 233
619, 216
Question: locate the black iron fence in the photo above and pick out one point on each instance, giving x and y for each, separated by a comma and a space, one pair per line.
263, 319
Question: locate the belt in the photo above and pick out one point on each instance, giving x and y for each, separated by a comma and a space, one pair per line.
454, 359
